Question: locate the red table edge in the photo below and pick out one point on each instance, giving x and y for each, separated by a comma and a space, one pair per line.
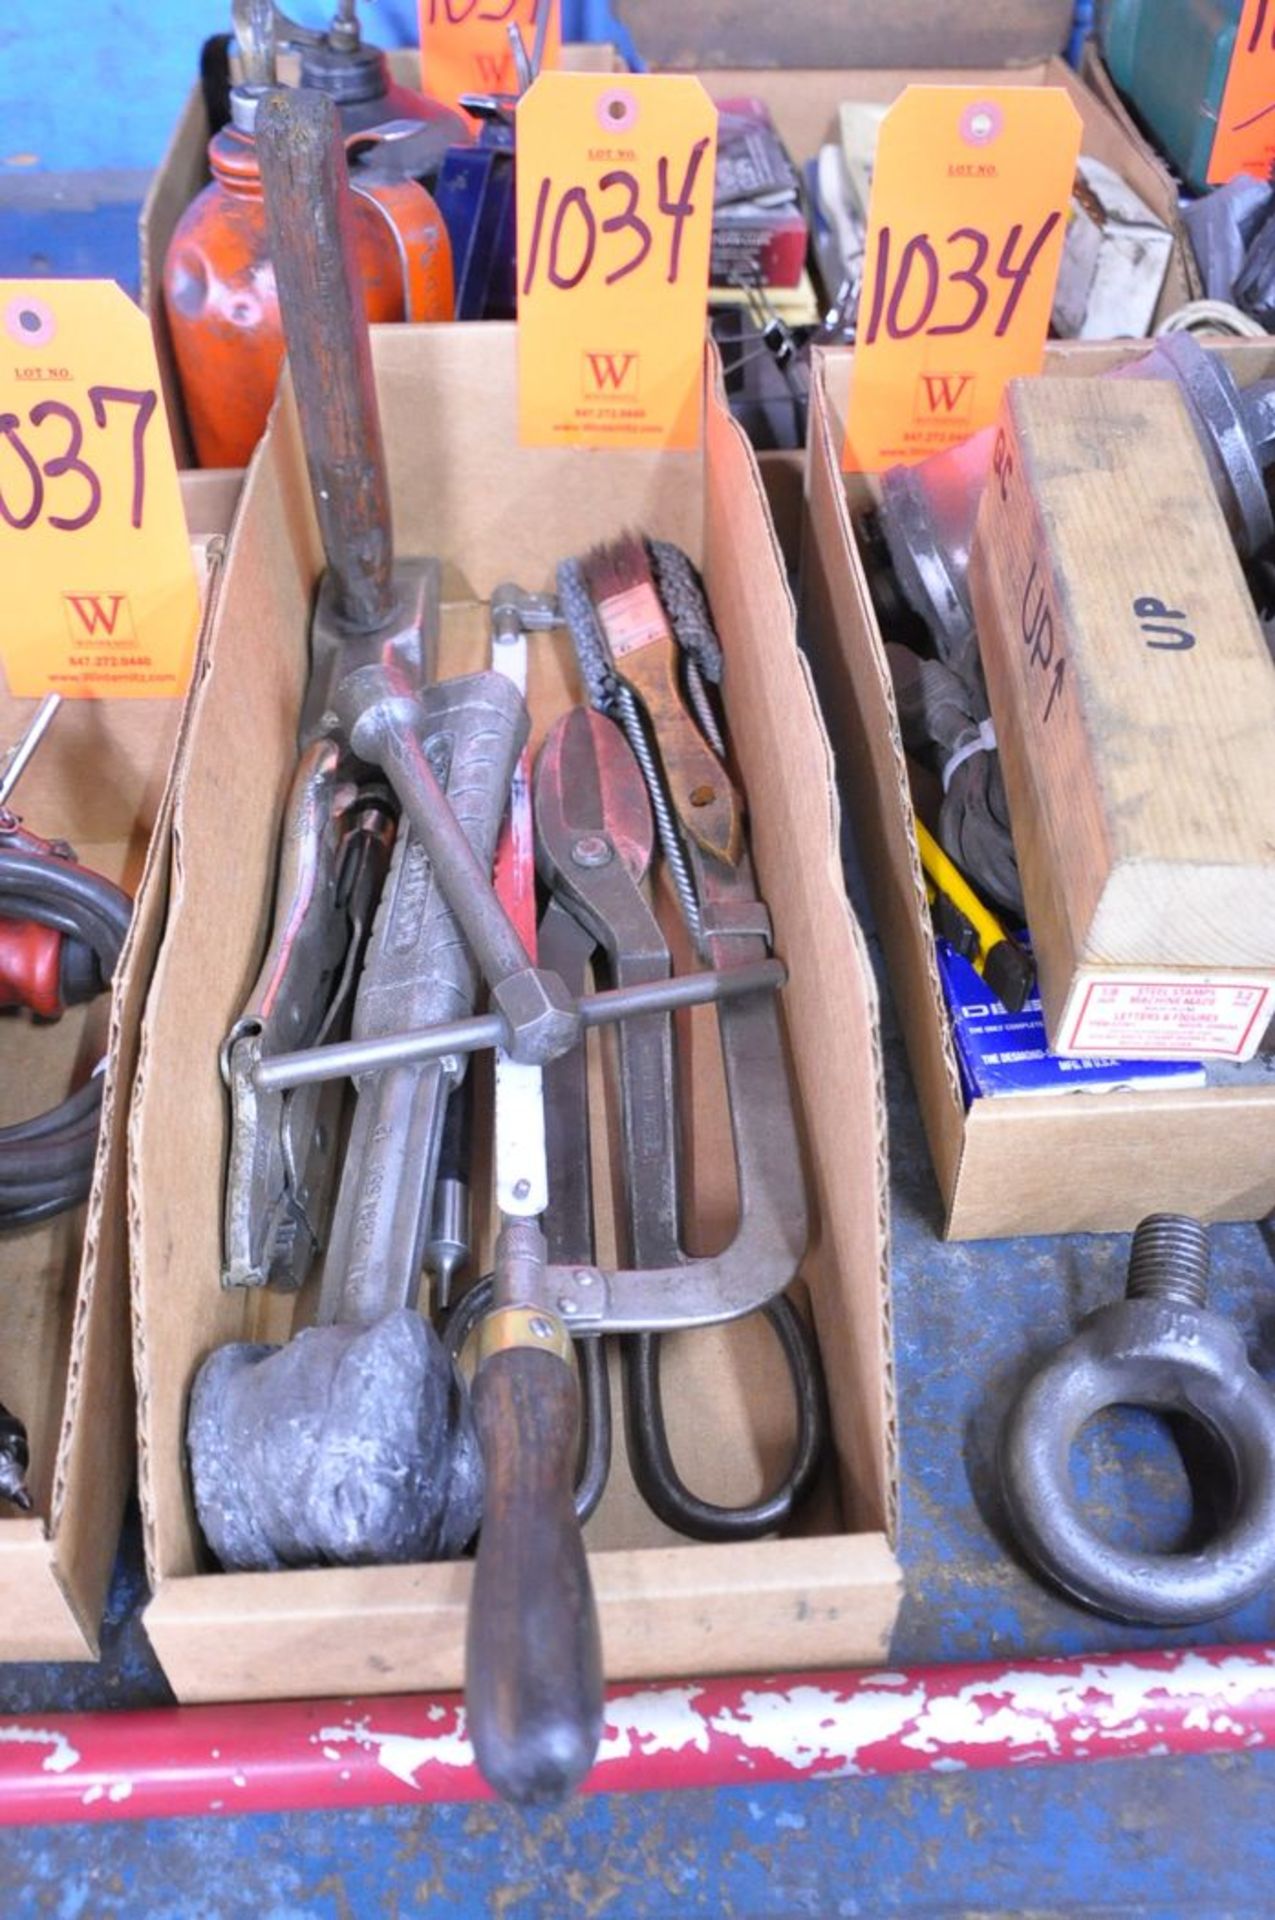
276, 1756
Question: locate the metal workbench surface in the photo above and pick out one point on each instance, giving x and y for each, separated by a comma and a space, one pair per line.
1164, 1837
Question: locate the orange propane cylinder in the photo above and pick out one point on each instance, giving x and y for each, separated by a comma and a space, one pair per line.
219, 290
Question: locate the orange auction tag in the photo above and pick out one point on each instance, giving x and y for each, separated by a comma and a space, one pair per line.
1244, 139
465, 44
970, 196
615, 215
100, 597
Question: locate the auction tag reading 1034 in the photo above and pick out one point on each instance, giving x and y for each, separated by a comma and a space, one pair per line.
971, 192
615, 211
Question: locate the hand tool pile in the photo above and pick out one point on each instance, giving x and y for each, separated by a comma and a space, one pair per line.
62, 929
358, 1440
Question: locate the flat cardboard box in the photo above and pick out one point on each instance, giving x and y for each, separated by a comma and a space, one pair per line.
804, 105
99, 780
828, 33
183, 172
465, 491
1087, 1162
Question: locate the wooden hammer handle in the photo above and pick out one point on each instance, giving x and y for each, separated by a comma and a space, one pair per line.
310, 216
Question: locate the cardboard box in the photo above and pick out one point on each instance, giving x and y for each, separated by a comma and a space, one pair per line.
100, 780
491, 510
210, 496
804, 105
183, 172
1097, 77
1088, 1162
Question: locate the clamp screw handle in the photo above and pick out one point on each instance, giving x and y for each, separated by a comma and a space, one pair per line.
1169, 1260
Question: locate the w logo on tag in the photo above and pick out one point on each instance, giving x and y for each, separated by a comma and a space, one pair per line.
495, 72
946, 395
98, 616
611, 373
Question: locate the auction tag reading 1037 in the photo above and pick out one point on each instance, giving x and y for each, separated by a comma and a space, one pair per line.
971, 192
100, 596
615, 212
465, 44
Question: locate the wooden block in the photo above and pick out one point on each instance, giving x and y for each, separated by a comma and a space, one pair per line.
1134, 702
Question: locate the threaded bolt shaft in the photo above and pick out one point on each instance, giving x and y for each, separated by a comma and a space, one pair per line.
1169, 1260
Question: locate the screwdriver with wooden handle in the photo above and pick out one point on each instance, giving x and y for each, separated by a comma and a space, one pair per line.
533, 1664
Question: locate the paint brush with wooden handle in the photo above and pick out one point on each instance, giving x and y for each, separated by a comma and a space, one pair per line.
644, 656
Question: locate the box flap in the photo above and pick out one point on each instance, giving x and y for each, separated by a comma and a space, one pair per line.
827, 33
